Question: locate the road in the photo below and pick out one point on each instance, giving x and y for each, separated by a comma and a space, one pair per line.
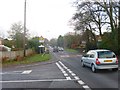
63, 71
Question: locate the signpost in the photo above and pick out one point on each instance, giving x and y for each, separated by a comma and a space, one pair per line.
41, 39
41, 47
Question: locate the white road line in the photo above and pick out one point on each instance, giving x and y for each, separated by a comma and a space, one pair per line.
70, 72
17, 72
65, 74
27, 72
45, 80
63, 71
62, 64
73, 74
59, 67
85, 86
65, 67
81, 82
68, 78
77, 78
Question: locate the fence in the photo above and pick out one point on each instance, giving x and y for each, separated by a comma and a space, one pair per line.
11, 55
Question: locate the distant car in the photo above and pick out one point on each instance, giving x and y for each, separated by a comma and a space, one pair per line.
100, 59
55, 49
60, 48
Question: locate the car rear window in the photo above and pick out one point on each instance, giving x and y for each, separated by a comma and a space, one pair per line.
106, 54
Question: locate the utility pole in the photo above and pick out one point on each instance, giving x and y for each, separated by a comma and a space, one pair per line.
24, 38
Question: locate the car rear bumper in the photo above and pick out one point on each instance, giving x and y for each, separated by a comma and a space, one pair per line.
106, 66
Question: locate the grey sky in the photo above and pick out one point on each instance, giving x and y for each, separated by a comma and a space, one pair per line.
48, 18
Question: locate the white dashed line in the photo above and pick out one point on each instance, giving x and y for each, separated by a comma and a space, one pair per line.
68, 78
65, 67
27, 72
70, 72
62, 64
73, 74
81, 82
65, 74
77, 78
59, 67
85, 86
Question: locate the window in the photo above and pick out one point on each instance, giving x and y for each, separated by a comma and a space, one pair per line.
92, 55
106, 54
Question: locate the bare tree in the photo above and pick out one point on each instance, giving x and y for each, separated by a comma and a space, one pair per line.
16, 34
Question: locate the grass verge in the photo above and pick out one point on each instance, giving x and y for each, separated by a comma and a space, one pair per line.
71, 50
29, 60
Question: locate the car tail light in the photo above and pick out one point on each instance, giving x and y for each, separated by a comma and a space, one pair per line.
116, 60
97, 61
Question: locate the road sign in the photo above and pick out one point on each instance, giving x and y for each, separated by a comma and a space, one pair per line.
41, 39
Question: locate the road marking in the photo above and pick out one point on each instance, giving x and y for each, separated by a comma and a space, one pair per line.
81, 82
86, 87
65, 67
59, 67
17, 72
77, 78
18, 81
73, 74
63, 71
70, 72
65, 74
27, 72
62, 64
68, 78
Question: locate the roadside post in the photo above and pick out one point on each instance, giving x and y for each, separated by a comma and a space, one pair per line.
41, 47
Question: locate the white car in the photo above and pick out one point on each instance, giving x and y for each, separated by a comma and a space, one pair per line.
100, 59
60, 49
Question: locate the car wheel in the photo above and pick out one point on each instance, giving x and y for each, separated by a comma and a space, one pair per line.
94, 69
82, 64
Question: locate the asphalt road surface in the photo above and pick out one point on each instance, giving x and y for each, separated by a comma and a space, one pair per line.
63, 71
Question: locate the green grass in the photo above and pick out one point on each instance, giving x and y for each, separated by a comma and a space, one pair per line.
29, 60
71, 50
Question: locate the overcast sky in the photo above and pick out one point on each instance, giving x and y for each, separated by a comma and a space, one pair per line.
48, 18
